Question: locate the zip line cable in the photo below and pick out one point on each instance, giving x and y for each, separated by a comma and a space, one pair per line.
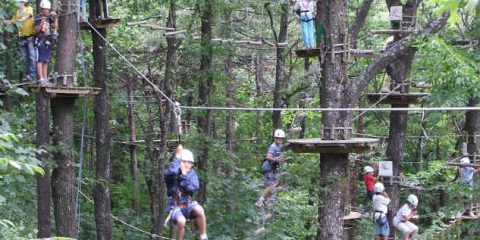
155, 87
333, 109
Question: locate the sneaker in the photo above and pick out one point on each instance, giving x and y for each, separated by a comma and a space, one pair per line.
45, 83
386, 90
260, 204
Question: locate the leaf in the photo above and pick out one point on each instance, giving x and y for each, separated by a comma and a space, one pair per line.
2, 199
15, 165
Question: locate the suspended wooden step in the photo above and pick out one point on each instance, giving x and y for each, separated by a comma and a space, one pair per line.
100, 23
354, 215
318, 145
316, 52
395, 98
393, 31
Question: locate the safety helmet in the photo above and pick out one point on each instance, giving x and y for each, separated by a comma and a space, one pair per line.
465, 160
412, 199
21, 1
368, 169
279, 133
45, 4
187, 155
378, 187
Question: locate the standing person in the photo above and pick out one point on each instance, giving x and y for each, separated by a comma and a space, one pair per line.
380, 205
270, 164
306, 9
24, 15
401, 221
368, 179
182, 182
45, 23
466, 173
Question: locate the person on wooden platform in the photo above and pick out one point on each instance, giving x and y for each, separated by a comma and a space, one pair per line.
401, 221
306, 10
45, 23
466, 173
270, 165
24, 16
182, 182
380, 205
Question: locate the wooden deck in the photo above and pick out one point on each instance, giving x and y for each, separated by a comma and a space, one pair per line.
396, 98
100, 23
316, 52
55, 91
354, 215
318, 145
392, 31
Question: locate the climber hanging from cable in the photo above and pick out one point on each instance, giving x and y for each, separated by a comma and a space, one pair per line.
270, 165
182, 182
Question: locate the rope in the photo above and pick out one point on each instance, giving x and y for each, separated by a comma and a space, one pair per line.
155, 87
82, 134
125, 223
332, 109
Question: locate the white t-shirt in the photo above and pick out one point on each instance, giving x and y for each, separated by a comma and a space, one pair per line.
380, 203
305, 7
402, 213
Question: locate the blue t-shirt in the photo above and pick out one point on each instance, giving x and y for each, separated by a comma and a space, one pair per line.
467, 174
275, 150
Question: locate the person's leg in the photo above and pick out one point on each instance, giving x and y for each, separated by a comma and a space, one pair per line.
199, 214
304, 26
180, 227
413, 229
311, 39
45, 70
32, 57
39, 70
23, 47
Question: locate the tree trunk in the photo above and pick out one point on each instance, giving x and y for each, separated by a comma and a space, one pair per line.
133, 146
334, 174
280, 76
472, 126
205, 90
103, 164
43, 181
63, 126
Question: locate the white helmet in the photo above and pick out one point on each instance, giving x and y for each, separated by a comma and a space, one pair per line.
378, 187
368, 169
21, 1
279, 133
187, 155
45, 4
465, 160
412, 199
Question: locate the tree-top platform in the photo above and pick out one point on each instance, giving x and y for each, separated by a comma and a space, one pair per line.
100, 23
392, 31
395, 98
318, 145
316, 52
63, 91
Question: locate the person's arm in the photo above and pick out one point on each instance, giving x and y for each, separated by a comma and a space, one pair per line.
412, 213
313, 8
28, 13
55, 19
39, 24
189, 182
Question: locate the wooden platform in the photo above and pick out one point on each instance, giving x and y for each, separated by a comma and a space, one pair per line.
54, 91
396, 98
100, 23
318, 145
316, 52
354, 216
392, 31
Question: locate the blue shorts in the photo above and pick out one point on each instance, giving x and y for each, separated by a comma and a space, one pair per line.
382, 229
269, 178
185, 211
44, 49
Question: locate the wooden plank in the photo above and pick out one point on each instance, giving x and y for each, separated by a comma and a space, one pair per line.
396, 98
313, 52
354, 215
100, 23
317, 145
392, 31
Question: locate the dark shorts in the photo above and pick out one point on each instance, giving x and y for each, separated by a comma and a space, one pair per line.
269, 178
44, 50
369, 194
185, 211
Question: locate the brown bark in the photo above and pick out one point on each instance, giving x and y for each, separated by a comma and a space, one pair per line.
63, 126
43, 181
472, 127
280, 75
359, 21
205, 89
133, 146
103, 163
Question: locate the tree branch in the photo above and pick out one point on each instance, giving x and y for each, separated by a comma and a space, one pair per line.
359, 21
398, 49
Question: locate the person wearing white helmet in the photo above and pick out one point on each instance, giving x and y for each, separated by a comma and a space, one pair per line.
368, 179
270, 165
401, 221
467, 173
24, 15
45, 23
182, 182
380, 205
